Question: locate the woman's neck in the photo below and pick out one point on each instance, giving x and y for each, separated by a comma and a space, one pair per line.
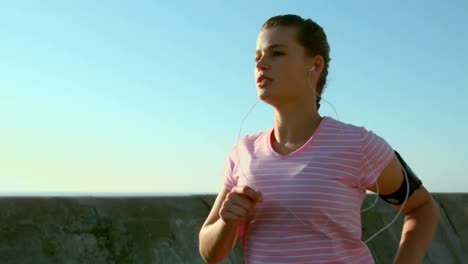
295, 124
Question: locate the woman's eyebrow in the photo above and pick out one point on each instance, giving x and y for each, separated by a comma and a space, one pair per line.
273, 46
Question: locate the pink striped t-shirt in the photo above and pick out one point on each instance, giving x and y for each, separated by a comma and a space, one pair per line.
312, 196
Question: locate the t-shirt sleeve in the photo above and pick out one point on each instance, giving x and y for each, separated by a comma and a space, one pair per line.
227, 174
376, 155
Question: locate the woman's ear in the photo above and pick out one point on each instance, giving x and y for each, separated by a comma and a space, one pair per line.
317, 63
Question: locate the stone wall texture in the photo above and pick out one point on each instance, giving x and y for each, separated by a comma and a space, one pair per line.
165, 229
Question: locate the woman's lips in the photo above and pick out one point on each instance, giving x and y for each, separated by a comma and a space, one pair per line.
263, 81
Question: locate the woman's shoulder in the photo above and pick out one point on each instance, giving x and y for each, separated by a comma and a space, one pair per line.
332, 122
251, 140
254, 139
352, 128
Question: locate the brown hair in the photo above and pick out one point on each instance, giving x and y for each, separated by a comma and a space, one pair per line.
311, 36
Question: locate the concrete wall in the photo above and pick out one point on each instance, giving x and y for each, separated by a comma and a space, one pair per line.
165, 230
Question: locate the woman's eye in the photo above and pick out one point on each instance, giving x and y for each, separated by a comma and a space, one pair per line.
277, 53
273, 54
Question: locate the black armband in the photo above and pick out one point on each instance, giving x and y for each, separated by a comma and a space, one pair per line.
399, 196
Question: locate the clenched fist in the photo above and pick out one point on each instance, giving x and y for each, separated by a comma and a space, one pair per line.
239, 204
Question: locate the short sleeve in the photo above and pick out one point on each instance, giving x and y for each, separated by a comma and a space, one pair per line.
376, 155
227, 172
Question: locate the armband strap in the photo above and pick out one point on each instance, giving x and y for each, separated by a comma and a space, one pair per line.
399, 196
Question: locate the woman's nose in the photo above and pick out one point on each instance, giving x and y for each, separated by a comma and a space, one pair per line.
262, 64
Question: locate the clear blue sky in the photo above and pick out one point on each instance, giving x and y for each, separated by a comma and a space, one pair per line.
148, 96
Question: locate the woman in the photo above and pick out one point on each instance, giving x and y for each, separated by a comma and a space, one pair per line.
293, 193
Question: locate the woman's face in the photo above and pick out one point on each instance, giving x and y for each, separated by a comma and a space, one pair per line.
282, 67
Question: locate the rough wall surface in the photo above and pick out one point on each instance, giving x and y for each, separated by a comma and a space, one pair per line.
165, 230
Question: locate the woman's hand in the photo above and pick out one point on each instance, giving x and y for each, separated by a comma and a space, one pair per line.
239, 204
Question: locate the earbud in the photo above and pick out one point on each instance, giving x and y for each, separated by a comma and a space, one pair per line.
312, 69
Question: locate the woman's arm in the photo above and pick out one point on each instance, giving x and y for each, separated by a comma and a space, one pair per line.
219, 232
216, 237
420, 211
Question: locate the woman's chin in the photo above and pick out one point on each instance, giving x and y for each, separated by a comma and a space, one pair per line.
263, 94
266, 97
